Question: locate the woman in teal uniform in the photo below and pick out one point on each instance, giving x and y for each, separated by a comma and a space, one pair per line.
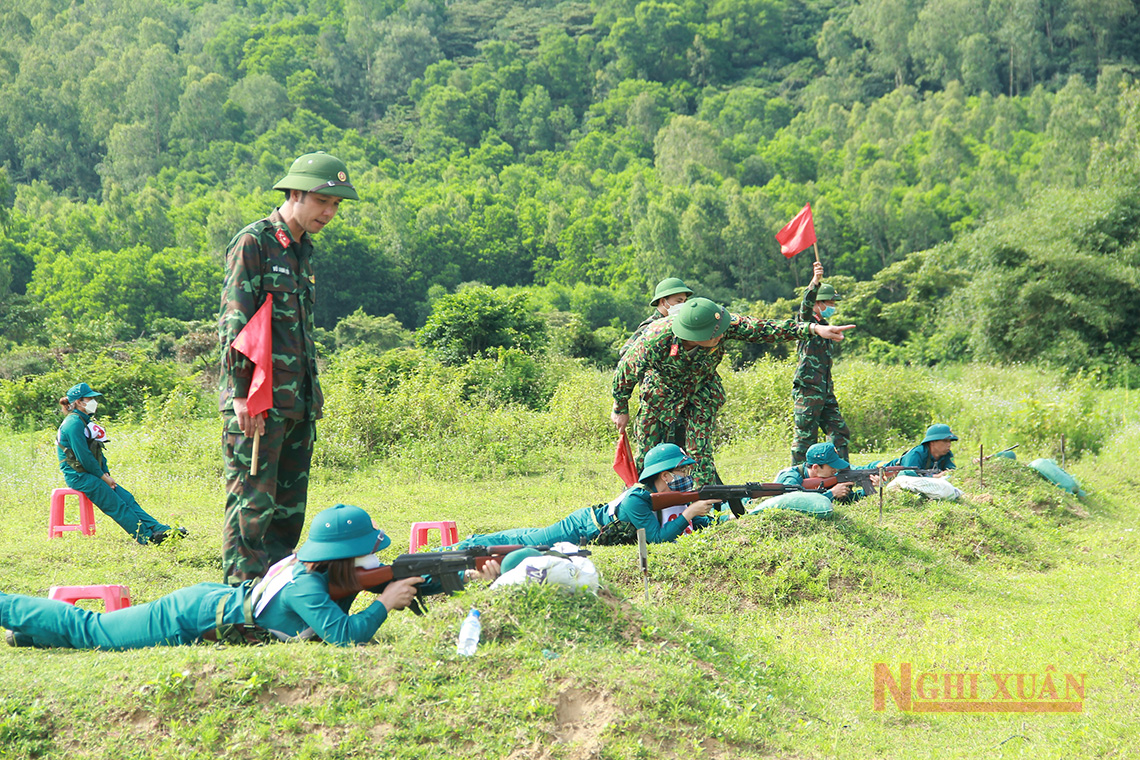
79, 445
291, 603
667, 467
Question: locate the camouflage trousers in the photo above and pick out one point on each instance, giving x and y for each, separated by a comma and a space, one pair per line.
692, 430
813, 412
265, 513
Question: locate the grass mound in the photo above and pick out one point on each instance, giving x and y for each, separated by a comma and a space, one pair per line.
781, 557
557, 675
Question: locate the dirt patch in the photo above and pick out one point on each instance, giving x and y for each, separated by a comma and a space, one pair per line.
581, 717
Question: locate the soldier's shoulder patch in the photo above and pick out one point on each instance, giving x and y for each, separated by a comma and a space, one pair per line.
282, 237
735, 319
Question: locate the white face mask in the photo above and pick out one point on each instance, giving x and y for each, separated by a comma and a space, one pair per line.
91, 406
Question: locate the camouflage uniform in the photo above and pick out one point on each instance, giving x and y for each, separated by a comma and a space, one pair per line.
265, 513
813, 392
681, 391
656, 315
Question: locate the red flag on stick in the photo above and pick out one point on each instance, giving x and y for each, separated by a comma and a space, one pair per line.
798, 234
255, 341
623, 461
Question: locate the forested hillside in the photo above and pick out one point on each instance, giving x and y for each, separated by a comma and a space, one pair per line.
584, 150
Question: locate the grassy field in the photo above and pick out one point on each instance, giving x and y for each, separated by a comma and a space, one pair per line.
759, 638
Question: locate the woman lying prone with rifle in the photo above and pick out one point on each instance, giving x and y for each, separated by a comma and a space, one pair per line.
304, 596
667, 468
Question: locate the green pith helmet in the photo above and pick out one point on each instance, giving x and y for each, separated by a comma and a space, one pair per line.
825, 453
662, 457
512, 560
670, 286
939, 432
827, 293
700, 319
319, 173
341, 532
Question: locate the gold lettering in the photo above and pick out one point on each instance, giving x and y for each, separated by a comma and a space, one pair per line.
1070, 681
922, 693
899, 693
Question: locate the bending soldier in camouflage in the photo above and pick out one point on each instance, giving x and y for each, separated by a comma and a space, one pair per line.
813, 392
272, 258
675, 361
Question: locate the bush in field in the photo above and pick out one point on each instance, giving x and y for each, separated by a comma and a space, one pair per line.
884, 406
379, 333
511, 377
759, 399
1023, 404
467, 324
126, 380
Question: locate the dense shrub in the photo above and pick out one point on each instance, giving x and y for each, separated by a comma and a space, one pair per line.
126, 380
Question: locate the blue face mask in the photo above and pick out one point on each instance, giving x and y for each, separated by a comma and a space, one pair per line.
681, 483
827, 312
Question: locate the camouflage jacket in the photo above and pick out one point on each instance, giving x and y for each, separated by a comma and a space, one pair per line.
673, 377
813, 373
656, 315
263, 261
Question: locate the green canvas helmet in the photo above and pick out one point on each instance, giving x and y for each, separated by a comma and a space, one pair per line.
662, 457
670, 286
700, 319
827, 293
341, 532
319, 173
939, 431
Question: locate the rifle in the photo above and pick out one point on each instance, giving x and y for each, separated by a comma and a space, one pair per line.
666, 499
862, 478
991, 456
444, 566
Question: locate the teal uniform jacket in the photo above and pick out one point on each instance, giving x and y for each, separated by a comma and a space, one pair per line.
185, 615
83, 465
919, 458
584, 525
796, 475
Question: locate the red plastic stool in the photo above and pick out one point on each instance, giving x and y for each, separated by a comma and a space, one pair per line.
448, 534
56, 521
114, 597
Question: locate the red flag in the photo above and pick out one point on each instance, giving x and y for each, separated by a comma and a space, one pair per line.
623, 461
256, 342
798, 234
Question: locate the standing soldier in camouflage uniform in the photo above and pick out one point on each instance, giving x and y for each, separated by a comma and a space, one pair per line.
813, 392
671, 291
675, 361
271, 258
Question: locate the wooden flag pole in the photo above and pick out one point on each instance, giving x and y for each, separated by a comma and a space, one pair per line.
256, 448
815, 248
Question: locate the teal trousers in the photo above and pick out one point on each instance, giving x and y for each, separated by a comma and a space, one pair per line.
118, 504
178, 618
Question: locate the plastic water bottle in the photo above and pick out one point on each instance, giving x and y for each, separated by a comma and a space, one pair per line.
469, 634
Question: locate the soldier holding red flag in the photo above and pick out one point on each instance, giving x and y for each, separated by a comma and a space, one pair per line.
270, 262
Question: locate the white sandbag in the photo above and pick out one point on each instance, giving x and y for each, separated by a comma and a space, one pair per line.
932, 488
574, 573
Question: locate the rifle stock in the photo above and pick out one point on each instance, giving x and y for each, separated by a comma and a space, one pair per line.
444, 566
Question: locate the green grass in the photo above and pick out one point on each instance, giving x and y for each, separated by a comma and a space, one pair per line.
758, 640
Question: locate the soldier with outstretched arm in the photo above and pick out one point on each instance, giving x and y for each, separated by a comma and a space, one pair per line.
271, 259
675, 361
